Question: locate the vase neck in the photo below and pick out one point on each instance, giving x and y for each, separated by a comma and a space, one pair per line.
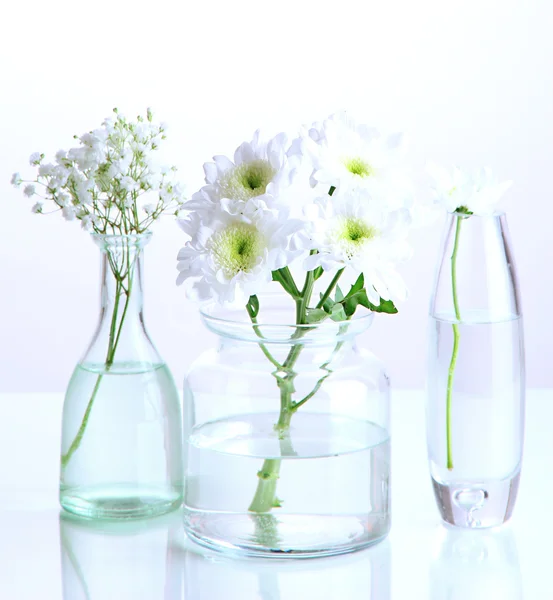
476, 278
121, 284
121, 335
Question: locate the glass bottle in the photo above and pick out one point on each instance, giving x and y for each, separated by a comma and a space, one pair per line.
121, 454
287, 447
475, 388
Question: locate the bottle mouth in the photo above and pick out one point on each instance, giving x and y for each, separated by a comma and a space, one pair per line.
275, 323
109, 241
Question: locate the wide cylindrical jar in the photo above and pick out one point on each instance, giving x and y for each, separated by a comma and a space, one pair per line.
476, 391
287, 442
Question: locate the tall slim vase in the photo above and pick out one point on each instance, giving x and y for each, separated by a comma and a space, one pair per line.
475, 389
121, 451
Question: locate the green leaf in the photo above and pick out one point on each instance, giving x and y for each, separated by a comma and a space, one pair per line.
357, 286
385, 306
339, 294
317, 273
315, 315
253, 306
338, 313
352, 301
331, 190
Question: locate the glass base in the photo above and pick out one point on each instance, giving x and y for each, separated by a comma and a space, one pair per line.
284, 535
477, 505
119, 502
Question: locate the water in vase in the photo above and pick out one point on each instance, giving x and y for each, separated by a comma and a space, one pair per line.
319, 459
486, 417
123, 465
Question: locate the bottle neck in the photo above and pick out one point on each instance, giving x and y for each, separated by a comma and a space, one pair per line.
121, 294
476, 278
121, 336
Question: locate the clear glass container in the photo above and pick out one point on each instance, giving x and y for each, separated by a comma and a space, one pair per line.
475, 388
121, 449
287, 445
126, 560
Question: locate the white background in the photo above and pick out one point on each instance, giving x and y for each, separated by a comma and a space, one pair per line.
470, 82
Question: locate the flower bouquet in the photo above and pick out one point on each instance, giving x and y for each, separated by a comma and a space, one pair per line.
288, 385
111, 184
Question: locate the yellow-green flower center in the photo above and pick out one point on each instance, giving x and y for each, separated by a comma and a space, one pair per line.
352, 233
237, 248
357, 166
247, 180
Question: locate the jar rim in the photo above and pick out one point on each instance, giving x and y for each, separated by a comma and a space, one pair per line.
274, 331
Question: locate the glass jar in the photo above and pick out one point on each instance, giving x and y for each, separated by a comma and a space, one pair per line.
287, 445
121, 450
476, 392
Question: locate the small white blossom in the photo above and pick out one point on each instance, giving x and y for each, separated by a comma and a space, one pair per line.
88, 221
35, 159
61, 156
69, 213
149, 208
29, 190
129, 184
46, 170
16, 180
37, 208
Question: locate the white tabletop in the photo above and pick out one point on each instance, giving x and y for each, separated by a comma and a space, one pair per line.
153, 560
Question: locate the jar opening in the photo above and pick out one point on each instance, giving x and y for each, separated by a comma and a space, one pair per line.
275, 323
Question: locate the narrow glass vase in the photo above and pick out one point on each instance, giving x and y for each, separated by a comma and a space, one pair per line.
476, 390
121, 451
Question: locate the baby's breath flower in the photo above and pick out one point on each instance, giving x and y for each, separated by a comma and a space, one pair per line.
46, 170
69, 213
35, 158
104, 181
16, 180
37, 208
29, 190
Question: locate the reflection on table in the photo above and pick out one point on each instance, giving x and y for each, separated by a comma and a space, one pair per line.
477, 564
130, 560
153, 560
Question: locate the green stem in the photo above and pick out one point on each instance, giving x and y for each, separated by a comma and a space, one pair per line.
265, 495
110, 355
329, 289
264, 349
456, 338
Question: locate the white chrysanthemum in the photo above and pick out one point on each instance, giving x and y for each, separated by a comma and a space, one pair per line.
476, 193
355, 231
261, 171
232, 256
346, 154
